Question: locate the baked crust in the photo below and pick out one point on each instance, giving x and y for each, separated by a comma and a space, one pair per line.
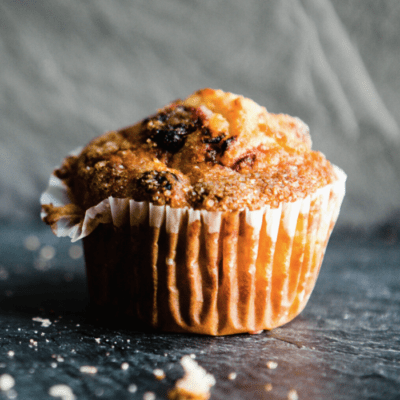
212, 151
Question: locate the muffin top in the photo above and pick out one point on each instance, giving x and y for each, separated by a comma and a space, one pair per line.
211, 151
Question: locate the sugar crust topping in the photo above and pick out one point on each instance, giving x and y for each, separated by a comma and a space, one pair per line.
211, 151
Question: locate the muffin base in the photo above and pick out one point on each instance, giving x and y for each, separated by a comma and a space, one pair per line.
185, 271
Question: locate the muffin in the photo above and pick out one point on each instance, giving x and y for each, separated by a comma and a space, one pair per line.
211, 216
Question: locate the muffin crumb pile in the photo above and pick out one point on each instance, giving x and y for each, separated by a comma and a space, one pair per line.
196, 383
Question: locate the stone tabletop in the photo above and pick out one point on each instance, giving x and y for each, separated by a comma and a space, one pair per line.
345, 344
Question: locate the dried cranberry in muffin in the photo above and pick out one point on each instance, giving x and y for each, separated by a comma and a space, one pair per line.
168, 129
158, 187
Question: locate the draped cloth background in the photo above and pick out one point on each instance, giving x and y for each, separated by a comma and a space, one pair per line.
71, 70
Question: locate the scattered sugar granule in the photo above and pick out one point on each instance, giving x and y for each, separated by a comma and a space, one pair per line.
33, 342
6, 382
45, 321
63, 391
268, 387
75, 252
60, 359
97, 340
159, 374
32, 243
11, 353
47, 252
292, 395
149, 396
87, 369
195, 384
232, 376
272, 364
132, 388
124, 366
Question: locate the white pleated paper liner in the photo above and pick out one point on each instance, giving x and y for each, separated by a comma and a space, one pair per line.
122, 211
268, 271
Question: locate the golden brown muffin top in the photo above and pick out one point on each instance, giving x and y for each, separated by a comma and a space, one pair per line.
212, 151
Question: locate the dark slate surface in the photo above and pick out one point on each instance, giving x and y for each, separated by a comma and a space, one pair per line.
345, 345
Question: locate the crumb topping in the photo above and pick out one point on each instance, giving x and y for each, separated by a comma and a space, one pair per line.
212, 151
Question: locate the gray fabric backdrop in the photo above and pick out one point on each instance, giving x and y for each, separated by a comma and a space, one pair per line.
71, 70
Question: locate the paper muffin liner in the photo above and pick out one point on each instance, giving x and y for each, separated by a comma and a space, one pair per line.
216, 273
